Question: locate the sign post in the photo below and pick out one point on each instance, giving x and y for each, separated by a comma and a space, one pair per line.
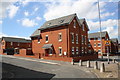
107, 43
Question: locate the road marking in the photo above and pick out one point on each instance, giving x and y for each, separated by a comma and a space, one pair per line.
31, 60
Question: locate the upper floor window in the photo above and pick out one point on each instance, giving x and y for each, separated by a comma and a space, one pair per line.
72, 37
99, 44
38, 39
99, 39
46, 38
72, 50
77, 50
82, 50
82, 38
99, 51
11, 43
18, 44
94, 44
60, 50
83, 27
60, 36
76, 38
74, 24
3, 43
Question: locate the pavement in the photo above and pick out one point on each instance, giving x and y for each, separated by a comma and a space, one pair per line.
19, 67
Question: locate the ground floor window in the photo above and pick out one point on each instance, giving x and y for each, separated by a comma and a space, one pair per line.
72, 50
77, 50
60, 50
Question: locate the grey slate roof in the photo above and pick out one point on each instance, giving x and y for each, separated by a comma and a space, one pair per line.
12, 39
114, 39
36, 33
57, 22
97, 34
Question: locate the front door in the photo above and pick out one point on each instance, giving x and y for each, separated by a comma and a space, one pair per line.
50, 51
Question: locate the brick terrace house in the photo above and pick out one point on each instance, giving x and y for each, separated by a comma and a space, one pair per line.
95, 41
114, 45
62, 39
15, 43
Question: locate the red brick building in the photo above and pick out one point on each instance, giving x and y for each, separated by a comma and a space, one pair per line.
114, 45
119, 47
95, 41
14, 43
63, 38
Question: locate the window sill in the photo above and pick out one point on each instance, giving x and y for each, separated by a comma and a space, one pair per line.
60, 54
46, 42
60, 40
50, 54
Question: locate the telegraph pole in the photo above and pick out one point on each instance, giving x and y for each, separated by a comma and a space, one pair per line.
100, 28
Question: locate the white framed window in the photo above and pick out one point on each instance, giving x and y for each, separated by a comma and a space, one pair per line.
82, 39
60, 36
11, 43
83, 27
99, 51
46, 38
82, 49
89, 51
60, 51
76, 38
77, 51
18, 44
85, 40
99, 44
72, 36
74, 24
94, 44
89, 45
38, 39
72, 50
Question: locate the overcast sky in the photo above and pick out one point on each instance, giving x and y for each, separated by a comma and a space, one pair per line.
20, 18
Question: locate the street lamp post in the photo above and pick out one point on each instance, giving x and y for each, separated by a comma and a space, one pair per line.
100, 29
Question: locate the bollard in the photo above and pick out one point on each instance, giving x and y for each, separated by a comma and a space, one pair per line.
102, 67
114, 60
88, 64
72, 62
80, 62
95, 65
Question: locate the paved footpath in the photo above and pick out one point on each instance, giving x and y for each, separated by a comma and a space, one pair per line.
20, 67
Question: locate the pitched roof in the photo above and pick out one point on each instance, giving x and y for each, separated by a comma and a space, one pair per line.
97, 34
36, 33
114, 39
12, 39
57, 22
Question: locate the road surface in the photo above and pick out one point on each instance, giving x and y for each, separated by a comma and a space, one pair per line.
22, 68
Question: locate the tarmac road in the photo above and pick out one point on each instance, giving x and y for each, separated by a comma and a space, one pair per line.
21, 68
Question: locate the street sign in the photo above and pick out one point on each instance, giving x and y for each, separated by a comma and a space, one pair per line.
107, 43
